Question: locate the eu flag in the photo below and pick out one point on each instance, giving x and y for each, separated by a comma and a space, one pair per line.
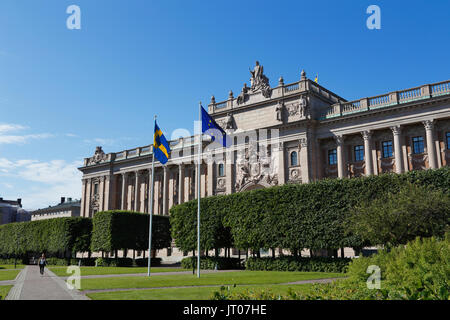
213, 129
161, 147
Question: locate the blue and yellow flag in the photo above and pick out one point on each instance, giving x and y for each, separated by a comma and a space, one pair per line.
213, 129
161, 147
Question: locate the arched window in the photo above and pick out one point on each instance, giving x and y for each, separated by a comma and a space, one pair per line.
294, 159
221, 170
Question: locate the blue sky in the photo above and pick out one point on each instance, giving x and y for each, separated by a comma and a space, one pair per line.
63, 92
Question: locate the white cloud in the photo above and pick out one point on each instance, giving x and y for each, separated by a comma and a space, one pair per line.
41, 183
6, 127
101, 141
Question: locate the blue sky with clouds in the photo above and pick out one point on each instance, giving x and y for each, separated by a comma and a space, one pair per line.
63, 92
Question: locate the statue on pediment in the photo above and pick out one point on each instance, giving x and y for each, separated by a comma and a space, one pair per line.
259, 82
98, 157
243, 96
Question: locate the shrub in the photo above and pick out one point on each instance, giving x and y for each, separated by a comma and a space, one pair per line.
116, 230
53, 236
316, 264
397, 218
53, 261
126, 262
209, 263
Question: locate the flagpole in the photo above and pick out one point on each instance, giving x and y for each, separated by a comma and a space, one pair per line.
151, 204
198, 187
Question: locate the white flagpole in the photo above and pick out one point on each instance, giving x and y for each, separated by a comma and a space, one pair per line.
198, 188
151, 203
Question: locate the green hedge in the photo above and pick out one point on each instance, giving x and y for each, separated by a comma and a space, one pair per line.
286, 263
209, 263
52, 261
291, 216
126, 262
53, 236
117, 229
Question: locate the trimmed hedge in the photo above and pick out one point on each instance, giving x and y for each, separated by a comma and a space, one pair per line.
126, 262
209, 263
53, 236
289, 263
52, 261
291, 216
118, 229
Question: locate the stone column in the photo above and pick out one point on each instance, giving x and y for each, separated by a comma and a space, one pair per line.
202, 181
108, 193
281, 169
136, 191
83, 212
340, 156
102, 193
304, 163
196, 180
431, 150
210, 175
123, 198
165, 187
156, 192
171, 182
180, 183
367, 136
88, 198
396, 131
187, 185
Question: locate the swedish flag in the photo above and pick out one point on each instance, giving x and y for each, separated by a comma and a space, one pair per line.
213, 129
161, 147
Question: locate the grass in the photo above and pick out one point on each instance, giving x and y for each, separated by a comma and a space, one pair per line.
8, 274
10, 266
4, 291
87, 271
195, 293
222, 278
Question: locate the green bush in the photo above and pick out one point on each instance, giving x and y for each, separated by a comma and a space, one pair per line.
126, 262
293, 216
54, 236
117, 230
53, 261
397, 218
209, 263
418, 271
287, 263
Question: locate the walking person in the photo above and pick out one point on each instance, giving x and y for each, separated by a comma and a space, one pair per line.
42, 263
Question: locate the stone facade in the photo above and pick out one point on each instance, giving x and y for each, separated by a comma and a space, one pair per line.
294, 133
65, 209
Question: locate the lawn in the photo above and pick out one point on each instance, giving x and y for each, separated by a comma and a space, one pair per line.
222, 278
195, 293
4, 291
8, 274
87, 271
11, 266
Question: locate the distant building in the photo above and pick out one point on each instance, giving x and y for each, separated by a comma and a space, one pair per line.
69, 208
11, 211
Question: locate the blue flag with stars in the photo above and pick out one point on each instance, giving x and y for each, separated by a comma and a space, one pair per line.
215, 131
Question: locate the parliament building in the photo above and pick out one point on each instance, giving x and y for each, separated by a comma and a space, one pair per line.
292, 133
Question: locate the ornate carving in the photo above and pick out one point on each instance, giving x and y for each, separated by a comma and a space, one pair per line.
367, 134
303, 104
98, 157
229, 121
259, 82
303, 143
429, 124
243, 96
396, 130
339, 139
253, 168
279, 110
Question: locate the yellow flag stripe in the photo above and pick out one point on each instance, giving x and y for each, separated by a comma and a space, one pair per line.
164, 150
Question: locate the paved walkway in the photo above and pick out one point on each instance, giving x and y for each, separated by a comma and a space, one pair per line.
30, 285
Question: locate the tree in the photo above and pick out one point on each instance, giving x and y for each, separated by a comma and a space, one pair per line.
398, 217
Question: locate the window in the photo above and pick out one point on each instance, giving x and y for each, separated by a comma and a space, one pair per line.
96, 188
221, 170
387, 149
418, 145
359, 153
332, 157
294, 161
447, 136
